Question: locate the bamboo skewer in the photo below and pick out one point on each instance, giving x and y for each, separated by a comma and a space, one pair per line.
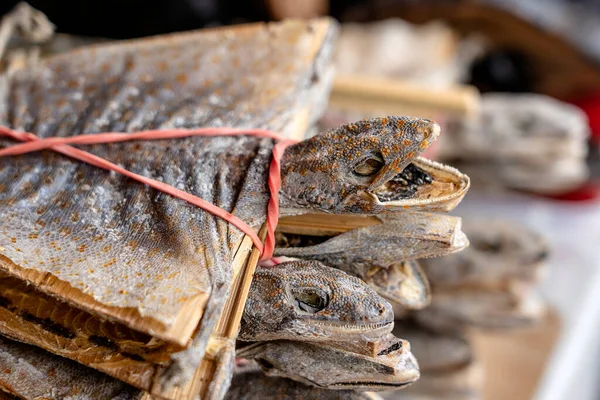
366, 93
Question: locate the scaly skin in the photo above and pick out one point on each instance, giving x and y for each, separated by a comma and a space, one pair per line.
352, 168
254, 385
31, 373
338, 365
377, 253
307, 300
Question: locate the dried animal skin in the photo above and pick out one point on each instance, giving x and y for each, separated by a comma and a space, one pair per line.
118, 246
256, 386
30, 373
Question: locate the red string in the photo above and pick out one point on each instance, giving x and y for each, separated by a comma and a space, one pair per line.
61, 145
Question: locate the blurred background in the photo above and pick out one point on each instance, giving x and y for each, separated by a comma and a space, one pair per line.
515, 85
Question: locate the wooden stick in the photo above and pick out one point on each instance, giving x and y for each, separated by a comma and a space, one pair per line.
324, 224
374, 94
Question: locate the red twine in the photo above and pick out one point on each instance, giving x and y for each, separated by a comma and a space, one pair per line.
61, 145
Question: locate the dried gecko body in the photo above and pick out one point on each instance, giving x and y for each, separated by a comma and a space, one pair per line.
306, 300
359, 169
30, 373
454, 310
447, 364
118, 249
532, 142
500, 251
254, 385
383, 254
31, 316
338, 365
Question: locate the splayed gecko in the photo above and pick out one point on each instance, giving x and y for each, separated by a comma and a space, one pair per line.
116, 240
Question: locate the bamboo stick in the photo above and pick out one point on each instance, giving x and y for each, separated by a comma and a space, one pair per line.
382, 94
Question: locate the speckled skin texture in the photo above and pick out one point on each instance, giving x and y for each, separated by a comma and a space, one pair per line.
31, 373
122, 243
500, 251
256, 386
319, 173
351, 309
403, 236
335, 368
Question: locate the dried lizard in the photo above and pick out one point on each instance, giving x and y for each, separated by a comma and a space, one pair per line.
379, 254
254, 385
339, 366
144, 236
31, 373
305, 300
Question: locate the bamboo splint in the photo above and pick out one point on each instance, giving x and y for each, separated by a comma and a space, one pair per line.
324, 224
310, 43
391, 96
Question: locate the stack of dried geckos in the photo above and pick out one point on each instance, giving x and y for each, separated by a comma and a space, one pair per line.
149, 289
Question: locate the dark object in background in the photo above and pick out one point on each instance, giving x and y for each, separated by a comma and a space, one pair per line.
503, 71
123, 19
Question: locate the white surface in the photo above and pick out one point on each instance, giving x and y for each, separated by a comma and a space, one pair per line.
572, 285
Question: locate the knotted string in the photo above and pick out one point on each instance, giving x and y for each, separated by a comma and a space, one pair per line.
32, 143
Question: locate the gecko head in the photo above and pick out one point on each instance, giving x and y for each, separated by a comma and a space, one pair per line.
306, 300
358, 167
332, 366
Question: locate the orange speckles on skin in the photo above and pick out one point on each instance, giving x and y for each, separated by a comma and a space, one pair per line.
123, 291
158, 277
406, 142
406, 206
51, 372
110, 262
91, 271
107, 248
424, 144
384, 121
385, 151
13, 240
33, 236
75, 217
352, 128
400, 123
410, 155
7, 371
81, 248
181, 79
98, 238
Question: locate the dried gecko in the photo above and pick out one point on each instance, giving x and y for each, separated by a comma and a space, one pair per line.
389, 365
383, 255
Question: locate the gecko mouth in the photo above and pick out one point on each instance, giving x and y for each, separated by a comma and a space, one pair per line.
371, 384
372, 329
423, 183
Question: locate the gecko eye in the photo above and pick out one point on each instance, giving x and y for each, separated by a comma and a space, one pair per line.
310, 300
369, 166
